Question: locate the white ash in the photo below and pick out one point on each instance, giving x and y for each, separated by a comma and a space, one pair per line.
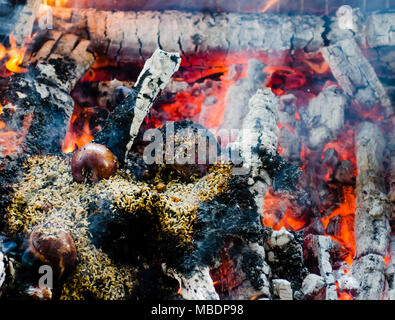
373, 210
313, 287
24, 26
325, 115
280, 238
368, 270
189, 32
282, 289
238, 95
259, 133
199, 286
321, 246
355, 74
381, 29
153, 78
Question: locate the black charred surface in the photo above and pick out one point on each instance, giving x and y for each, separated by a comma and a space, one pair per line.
229, 214
195, 131
284, 175
50, 110
116, 133
11, 174
289, 262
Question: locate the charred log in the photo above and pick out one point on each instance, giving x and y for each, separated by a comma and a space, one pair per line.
37, 105
189, 33
372, 213
355, 74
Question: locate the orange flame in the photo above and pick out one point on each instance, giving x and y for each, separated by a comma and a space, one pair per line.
78, 134
268, 5
15, 55
56, 3
345, 236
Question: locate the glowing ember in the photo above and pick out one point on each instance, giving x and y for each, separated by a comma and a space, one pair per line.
345, 236
79, 132
343, 295
10, 141
284, 78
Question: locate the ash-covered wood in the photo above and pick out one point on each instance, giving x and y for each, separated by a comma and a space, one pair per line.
372, 213
134, 36
380, 29
325, 116
321, 247
390, 271
24, 26
355, 74
124, 123
111, 93
198, 286
238, 95
37, 105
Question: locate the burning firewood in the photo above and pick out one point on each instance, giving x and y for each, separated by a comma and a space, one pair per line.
356, 75
24, 26
37, 105
372, 214
124, 123
201, 32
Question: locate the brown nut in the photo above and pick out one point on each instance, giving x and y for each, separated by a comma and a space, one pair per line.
95, 159
56, 249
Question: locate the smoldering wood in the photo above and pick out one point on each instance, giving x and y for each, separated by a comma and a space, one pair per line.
124, 123
390, 271
282, 289
373, 208
355, 74
250, 271
313, 288
372, 213
134, 36
325, 116
259, 130
321, 247
199, 286
238, 95
24, 25
38, 105
380, 29
111, 93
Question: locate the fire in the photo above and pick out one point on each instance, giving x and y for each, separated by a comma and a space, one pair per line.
55, 3
283, 78
79, 132
345, 236
15, 57
269, 4
343, 295
274, 206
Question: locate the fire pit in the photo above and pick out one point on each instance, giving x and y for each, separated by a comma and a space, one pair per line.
178, 150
